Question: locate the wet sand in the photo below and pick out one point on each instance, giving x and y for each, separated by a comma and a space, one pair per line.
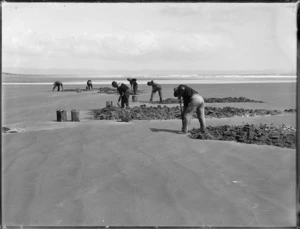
105, 172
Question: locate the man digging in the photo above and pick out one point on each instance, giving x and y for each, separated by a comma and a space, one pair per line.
133, 85
124, 94
89, 85
59, 85
191, 101
155, 87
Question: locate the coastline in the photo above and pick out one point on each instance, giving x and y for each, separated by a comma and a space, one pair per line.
161, 81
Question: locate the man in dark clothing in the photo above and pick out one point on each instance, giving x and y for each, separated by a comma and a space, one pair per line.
58, 84
191, 101
133, 85
89, 85
124, 93
155, 87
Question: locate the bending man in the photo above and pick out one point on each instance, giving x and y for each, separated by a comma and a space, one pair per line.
133, 85
155, 87
58, 84
191, 101
124, 93
89, 85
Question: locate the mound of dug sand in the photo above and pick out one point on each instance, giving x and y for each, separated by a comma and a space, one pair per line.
231, 100
290, 110
80, 90
164, 113
165, 101
136, 113
108, 90
227, 112
210, 100
281, 135
105, 90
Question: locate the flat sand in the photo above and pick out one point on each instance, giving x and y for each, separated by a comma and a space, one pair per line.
139, 173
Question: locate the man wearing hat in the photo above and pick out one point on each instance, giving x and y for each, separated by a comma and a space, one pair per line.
133, 85
191, 101
155, 87
124, 93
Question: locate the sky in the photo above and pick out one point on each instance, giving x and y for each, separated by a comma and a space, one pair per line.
202, 37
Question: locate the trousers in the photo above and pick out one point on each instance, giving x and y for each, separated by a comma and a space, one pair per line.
159, 92
196, 103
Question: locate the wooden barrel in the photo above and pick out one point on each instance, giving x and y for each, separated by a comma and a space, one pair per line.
61, 115
134, 98
75, 116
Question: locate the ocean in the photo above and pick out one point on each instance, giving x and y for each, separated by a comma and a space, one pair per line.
13, 79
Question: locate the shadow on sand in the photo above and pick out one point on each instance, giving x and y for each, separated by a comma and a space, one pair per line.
164, 130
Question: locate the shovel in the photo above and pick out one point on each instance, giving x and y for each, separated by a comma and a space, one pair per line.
181, 112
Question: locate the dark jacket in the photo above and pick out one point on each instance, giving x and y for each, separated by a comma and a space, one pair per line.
122, 89
186, 93
57, 83
133, 82
155, 86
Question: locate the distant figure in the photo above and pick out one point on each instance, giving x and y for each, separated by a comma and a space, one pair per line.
192, 101
58, 84
133, 85
89, 85
155, 87
124, 93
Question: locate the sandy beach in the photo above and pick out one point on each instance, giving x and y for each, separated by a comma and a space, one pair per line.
131, 167
140, 173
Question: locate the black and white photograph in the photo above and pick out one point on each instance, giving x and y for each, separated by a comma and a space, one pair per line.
149, 114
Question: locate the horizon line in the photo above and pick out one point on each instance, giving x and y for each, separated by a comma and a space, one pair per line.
156, 75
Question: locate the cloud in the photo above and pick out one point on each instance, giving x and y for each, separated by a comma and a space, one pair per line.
146, 44
181, 10
17, 6
26, 43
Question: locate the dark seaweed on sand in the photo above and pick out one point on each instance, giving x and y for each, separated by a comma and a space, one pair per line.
210, 100
280, 135
164, 112
104, 90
